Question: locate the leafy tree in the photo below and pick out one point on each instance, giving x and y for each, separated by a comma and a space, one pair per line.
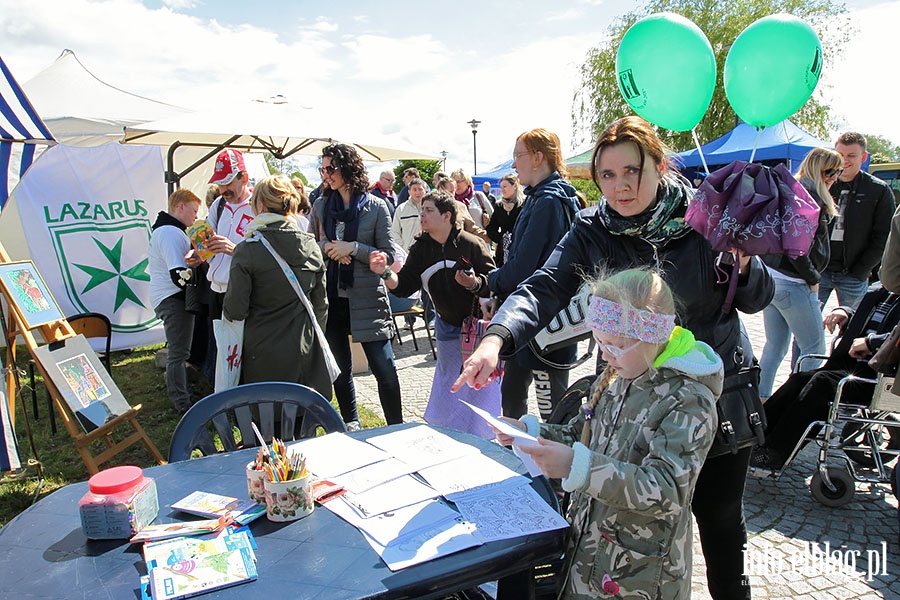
301, 177
427, 169
881, 150
598, 102
589, 189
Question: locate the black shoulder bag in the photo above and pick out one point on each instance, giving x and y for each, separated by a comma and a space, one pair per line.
742, 420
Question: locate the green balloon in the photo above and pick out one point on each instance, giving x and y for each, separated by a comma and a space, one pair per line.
772, 69
667, 71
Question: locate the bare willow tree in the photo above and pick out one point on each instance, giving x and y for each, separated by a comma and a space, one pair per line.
598, 102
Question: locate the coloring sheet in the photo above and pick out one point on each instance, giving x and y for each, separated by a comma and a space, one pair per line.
365, 478
392, 495
337, 453
520, 437
511, 513
436, 541
421, 446
470, 473
390, 526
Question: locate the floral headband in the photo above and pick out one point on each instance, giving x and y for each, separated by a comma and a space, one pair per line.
612, 318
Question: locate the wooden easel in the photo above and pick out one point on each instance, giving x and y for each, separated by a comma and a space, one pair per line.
54, 332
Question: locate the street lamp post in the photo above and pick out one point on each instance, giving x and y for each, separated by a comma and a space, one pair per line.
443, 160
474, 124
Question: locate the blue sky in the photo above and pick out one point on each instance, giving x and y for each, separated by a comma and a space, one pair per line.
408, 73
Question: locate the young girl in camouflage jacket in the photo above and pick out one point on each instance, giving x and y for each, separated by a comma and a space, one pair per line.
632, 455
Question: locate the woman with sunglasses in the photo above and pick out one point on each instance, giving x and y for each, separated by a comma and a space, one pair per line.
640, 222
795, 308
350, 224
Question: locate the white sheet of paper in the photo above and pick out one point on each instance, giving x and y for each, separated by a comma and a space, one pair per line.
365, 478
511, 513
469, 473
421, 446
337, 453
440, 540
392, 495
389, 526
520, 438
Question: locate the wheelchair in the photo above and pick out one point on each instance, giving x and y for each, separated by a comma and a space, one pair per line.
855, 442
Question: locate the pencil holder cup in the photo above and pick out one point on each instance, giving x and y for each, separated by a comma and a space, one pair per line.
288, 500
255, 483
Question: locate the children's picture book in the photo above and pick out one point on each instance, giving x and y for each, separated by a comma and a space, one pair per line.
185, 567
206, 504
201, 232
163, 531
83, 382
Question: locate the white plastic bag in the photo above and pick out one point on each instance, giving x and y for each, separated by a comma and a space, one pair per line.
229, 351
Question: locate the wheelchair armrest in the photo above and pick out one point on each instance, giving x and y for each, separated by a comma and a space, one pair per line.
810, 356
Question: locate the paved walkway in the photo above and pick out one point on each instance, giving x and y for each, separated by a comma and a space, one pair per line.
798, 548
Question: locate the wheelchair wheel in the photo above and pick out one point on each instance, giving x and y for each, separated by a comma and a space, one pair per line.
842, 481
888, 438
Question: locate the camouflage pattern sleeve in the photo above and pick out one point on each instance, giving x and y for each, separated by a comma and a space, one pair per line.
671, 454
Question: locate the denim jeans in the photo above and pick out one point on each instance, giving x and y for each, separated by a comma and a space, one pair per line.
178, 325
380, 355
849, 289
794, 309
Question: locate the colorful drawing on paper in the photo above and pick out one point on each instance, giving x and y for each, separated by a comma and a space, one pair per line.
85, 386
30, 297
25, 288
83, 380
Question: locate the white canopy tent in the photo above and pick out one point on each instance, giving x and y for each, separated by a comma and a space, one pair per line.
81, 110
280, 128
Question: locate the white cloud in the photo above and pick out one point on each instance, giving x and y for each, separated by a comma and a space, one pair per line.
325, 25
381, 58
180, 4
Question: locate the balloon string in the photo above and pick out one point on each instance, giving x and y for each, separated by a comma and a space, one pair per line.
700, 150
756, 143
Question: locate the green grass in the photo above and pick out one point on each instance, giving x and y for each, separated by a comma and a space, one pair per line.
141, 382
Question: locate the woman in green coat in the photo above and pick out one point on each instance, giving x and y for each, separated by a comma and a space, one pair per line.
280, 342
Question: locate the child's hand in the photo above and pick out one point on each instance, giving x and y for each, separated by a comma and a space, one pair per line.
504, 439
554, 459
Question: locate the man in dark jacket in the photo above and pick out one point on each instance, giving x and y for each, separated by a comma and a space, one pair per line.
384, 189
860, 231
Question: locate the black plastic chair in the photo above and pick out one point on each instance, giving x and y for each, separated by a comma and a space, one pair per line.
298, 411
94, 325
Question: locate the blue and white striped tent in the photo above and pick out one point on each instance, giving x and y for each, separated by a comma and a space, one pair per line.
21, 130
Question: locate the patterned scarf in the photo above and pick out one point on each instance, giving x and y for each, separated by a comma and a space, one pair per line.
662, 221
262, 220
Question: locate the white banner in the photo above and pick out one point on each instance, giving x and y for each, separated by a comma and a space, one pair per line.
86, 214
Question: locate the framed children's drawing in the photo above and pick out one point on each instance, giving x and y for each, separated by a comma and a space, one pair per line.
25, 287
84, 384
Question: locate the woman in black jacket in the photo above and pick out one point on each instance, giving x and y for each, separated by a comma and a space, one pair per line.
795, 308
506, 212
640, 221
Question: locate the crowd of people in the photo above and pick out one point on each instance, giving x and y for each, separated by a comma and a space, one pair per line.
642, 454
